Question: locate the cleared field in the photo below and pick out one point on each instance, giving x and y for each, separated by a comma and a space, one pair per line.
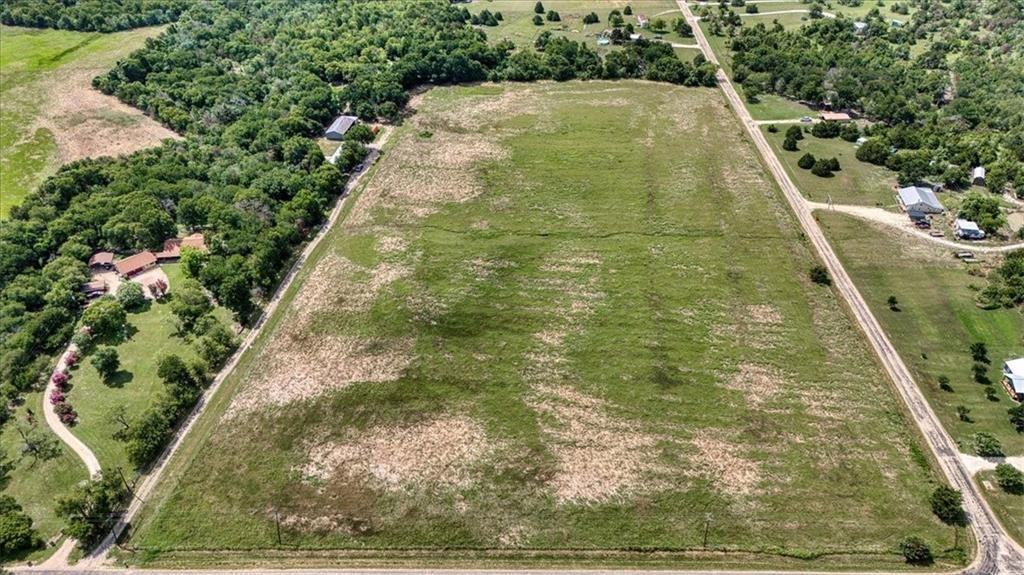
518, 26
561, 320
51, 114
937, 321
857, 182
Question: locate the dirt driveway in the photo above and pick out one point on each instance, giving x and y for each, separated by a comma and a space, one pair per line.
150, 276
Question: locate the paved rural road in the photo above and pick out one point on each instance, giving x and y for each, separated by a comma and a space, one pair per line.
997, 552
901, 223
795, 11
112, 571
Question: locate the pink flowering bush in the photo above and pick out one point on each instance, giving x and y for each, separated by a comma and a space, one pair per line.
60, 379
56, 397
71, 358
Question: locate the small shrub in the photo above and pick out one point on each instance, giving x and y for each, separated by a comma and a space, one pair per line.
538, 21
822, 168
130, 296
819, 275
916, 552
628, 10
538, 8
980, 371
806, 161
66, 413
789, 144
1010, 479
553, 16
947, 505
59, 379
1016, 414
963, 413
826, 129
893, 303
71, 359
979, 352
795, 132
990, 394
56, 397
986, 445
833, 164
106, 362
772, 128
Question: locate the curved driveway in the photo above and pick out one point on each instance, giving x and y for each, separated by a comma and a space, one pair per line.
53, 420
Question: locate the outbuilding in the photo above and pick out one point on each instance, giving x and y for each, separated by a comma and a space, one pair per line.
978, 176
94, 289
101, 260
968, 230
1013, 378
339, 127
835, 117
919, 199
860, 27
135, 264
642, 20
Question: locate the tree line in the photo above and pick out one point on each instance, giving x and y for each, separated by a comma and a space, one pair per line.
91, 15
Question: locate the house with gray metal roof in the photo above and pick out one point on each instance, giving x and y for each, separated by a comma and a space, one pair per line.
919, 199
341, 124
1013, 377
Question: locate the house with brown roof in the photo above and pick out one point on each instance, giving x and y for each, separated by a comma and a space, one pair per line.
172, 246
101, 260
135, 264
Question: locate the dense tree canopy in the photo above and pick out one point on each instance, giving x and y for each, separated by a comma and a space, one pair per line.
955, 105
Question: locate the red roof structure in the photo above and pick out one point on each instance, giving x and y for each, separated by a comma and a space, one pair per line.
134, 264
172, 247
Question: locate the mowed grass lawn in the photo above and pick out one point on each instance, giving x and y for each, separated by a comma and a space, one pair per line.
136, 386
856, 182
36, 483
518, 26
32, 62
937, 322
563, 317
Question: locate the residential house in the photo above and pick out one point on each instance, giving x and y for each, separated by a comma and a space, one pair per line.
919, 199
978, 176
339, 127
135, 264
642, 20
968, 230
101, 260
1013, 378
172, 246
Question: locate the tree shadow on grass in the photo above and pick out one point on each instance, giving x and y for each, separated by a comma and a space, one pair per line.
119, 379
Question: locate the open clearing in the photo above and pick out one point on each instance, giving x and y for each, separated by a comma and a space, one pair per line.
51, 113
937, 322
560, 320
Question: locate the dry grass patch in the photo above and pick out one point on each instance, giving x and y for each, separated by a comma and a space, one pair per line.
439, 453
599, 457
295, 369
757, 383
333, 285
722, 462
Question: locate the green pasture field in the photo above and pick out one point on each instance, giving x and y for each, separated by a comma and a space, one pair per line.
561, 323
32, 62
937, 321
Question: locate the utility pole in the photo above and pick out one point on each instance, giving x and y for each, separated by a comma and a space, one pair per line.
707, 524
277, 520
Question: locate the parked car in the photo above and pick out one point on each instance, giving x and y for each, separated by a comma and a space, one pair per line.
806, 119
